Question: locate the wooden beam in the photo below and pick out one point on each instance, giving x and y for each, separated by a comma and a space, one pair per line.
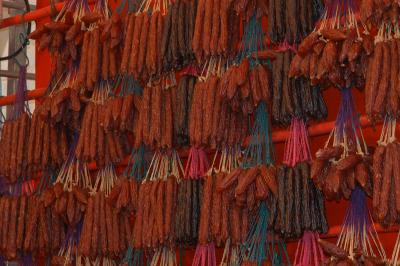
15, 75
16, 5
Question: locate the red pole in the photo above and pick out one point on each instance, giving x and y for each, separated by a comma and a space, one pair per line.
30, 16
31, 95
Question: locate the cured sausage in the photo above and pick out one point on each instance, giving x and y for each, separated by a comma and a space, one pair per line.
205, 216
169, 205
127, 43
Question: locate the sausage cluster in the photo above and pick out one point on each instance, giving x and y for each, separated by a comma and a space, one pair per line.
14, 147
156, 213
212, 121
25, 226
382, 82
291, 20
386, 181
106, 230
234, 197
333, 57
338, 256
188, 202
98, 141
293, 97
245, 87
299, 205
154, 126
216, 29
337, 176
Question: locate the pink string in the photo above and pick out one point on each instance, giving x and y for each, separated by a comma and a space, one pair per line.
205, 255
308, 250
297, 147
285, 46
191, 70
197, 164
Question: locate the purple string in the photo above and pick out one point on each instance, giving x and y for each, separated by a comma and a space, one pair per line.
342, 6
20, 94
347, 118
357, 213
73, 235
3, 186
10, 189
26, 260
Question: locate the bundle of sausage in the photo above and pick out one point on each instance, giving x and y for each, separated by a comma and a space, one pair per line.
100, 139
120, 112
333, 57
382, 82
385, 195
91, 38
155, 218
142, 44
177, 34
375, 12
236, 194
337, 174
338, 256
216, 30
291, 20
106, 230
244, 86
181, 97
335, 54
14, 147
345, 163
293, 97
188, 201
101, 50
61, 107
212, 121
68, 203
221, 218
386, 178
48, 140
63, 38
154, 126
299, 205
29, 224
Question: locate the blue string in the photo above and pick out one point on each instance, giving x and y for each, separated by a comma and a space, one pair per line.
260, 149
253, 40
258, 247
130, 85
133, 6
137, 165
